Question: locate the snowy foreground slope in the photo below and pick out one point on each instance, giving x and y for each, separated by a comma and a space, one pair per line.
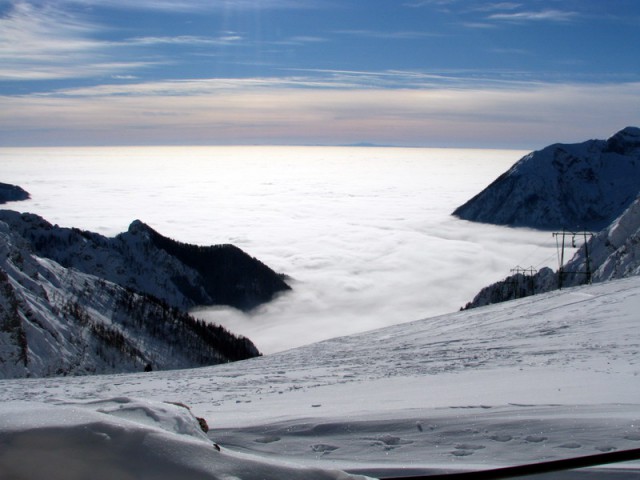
545, 377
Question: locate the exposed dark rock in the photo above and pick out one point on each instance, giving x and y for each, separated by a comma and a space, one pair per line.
228, 275
60, 321
515, 286
612, 253
141, 259
12, 193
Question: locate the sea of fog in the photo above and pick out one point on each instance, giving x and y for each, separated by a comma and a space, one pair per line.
365, 234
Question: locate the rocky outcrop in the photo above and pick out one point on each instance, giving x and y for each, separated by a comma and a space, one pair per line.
12, 193
574, 186
61, 321
226, 274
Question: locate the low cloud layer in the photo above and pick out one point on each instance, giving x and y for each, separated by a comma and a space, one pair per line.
364, 233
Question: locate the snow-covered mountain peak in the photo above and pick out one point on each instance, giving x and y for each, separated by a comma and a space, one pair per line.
138, 234
140, 229
582, 185
76, 302
144, 260
59, 321
137, 226
625, 142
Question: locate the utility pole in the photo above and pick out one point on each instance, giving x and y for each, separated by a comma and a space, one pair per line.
586, 254
561, 246
527, 276
561, 258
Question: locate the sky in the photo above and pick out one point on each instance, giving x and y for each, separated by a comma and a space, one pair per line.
447, 73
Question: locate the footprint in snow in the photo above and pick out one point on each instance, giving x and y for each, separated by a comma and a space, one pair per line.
388, 442
323, 448
501, 438
535, 439
267, 439
633, 436
605, 448
391, 440
466, 449
462, 453
469, 446
570, 445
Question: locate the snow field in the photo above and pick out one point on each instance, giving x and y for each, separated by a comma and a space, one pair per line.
123, 438
541, 378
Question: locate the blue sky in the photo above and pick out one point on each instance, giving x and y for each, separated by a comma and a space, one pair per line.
402, 72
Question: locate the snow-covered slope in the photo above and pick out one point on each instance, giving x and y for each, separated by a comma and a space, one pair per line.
143, 260
572, 186
613, 253
545, 377
60, 321
124, 438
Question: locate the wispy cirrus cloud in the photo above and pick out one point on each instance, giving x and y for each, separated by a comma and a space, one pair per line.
464, 5
197, 5
495, 14
229, 38
299, 110
498, 6
45, 42
536, 16
428, 3
483, 14
300, 39
32, 32
42, 41
408, 79
392, 35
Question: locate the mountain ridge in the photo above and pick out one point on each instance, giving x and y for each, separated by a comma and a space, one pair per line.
582, 185
227, 274
143, 260
63, 311
613, 253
